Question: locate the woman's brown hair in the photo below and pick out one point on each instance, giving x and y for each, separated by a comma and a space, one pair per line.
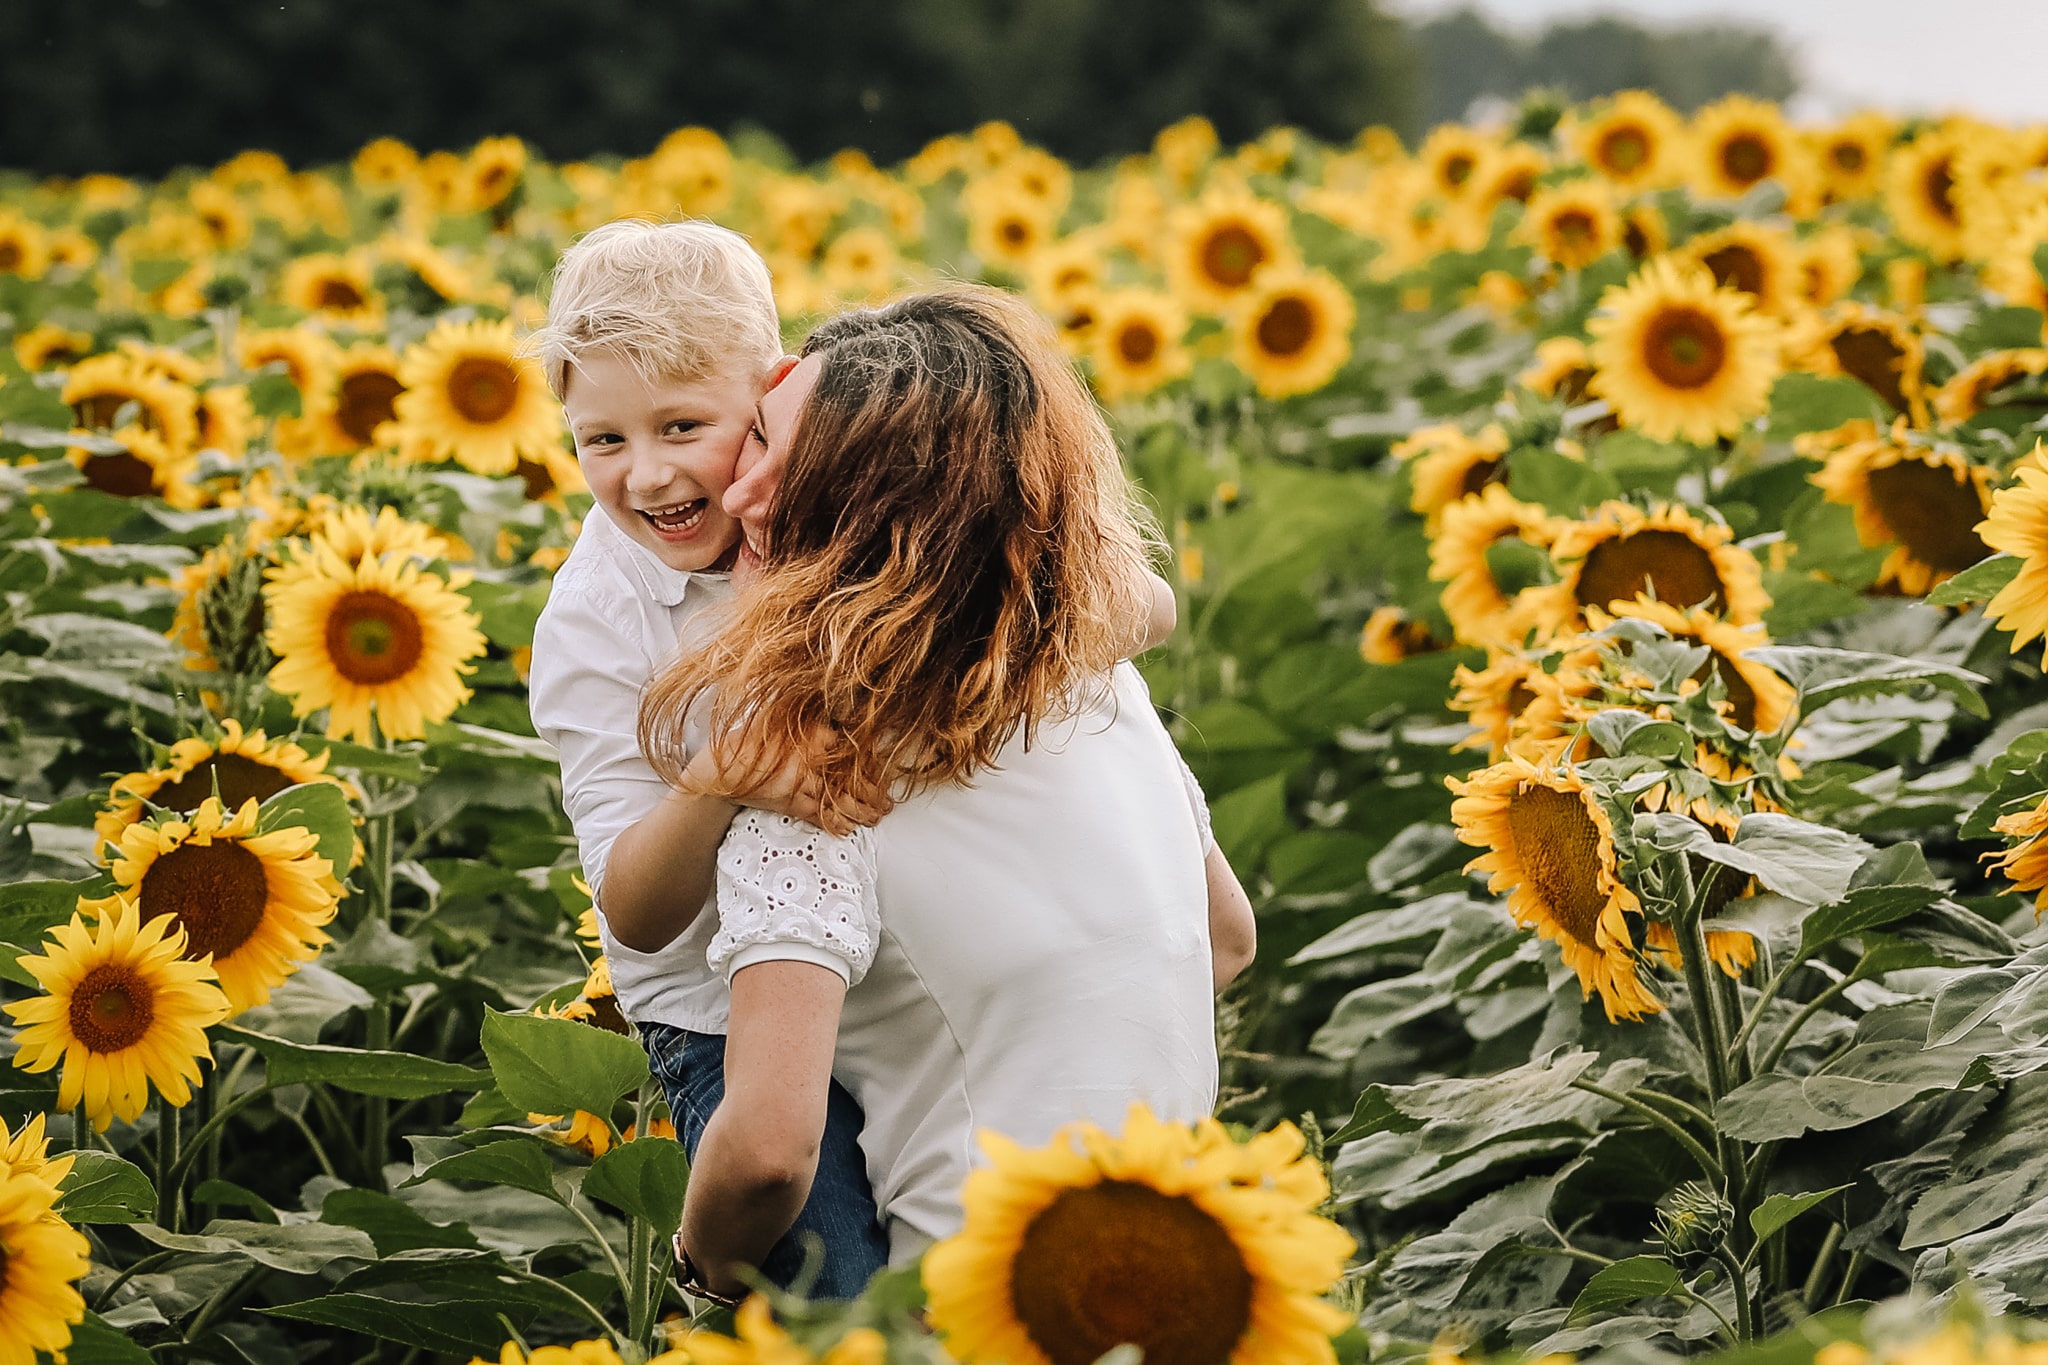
954, 553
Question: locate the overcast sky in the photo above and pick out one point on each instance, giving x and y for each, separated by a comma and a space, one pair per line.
1989, 57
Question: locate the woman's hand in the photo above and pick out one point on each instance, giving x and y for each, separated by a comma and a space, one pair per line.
787, 788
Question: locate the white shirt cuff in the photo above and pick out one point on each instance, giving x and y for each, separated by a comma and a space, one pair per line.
786, 952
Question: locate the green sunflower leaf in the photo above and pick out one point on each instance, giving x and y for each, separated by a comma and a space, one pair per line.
1980, 582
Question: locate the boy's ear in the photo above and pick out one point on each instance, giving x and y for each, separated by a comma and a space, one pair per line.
780, 371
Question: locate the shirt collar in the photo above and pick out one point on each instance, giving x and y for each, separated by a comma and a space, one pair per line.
656, 580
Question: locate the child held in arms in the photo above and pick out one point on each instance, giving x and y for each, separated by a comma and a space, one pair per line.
661, 339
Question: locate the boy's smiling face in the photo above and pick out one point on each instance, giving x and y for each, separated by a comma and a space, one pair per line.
659, 454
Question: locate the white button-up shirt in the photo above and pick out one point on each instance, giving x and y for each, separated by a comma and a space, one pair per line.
615, 615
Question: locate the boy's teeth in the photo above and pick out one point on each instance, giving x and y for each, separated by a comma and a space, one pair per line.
678, 517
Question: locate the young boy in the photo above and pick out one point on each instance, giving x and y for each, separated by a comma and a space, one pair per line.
660, 339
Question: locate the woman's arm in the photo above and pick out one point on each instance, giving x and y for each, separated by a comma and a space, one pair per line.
1162, 614
1233, 931
760, 1151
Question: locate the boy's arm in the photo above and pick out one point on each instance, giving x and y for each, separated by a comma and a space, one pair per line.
662, 867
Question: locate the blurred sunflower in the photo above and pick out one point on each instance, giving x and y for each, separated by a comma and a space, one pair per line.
26, 1151
2025, 860
48, 346
471, 396
1753, 259
1390, 635
1645, 231
1850, 157
1562, 369
1680, 357
1006, 227
1177, 1241
1632, 139
42, 1258
385, 164
251, 904
1220, 243
1621, 553
1183, 148
227, 419
24, 246
307, 358
122, 1011
861, 263
377, 635
333, 286
1550, 846
1499, 698
118, 390
1291, 332
444, 277
1572, 225
1135, 342
226, 221
2017, 524
1737, 144
1975, 386
697, 171
1829, 265
1454, 156
1758, 699
248, 766
1880, 350
363, 397
492, 171
1072, 268
1920, 193
1444, 464
1480, 610
1924, 501
1512, 173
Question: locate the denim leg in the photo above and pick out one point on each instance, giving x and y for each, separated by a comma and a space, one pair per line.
840, 1212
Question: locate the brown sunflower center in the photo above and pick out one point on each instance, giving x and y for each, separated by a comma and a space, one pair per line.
1623, 150
1684, 347
1747, 158
10, 256
366, 400
112, 1008
1931, 512
1558, 846
1670, 565
1230, 255
1518, 186
241, 779
1477, 475
1137, 343
1939, 184
1286, 327
1519, 698
539, 479
339, 295
1869, 355
483, 389
1119, 1262
1575, 229
373, 637
1458, 169
1741, 696
120, 475
101, 410
1015, 232
1636, 240
1737, 266
217, 891
1848, 156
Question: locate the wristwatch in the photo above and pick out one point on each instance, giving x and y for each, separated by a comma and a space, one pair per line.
690, 1280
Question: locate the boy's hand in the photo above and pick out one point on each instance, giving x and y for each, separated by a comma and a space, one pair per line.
787, 789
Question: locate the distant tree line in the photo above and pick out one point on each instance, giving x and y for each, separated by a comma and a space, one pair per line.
139, 86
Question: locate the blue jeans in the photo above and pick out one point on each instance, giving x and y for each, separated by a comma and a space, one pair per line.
840, 1212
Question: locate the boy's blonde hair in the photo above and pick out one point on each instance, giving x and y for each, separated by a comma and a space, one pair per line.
677, 300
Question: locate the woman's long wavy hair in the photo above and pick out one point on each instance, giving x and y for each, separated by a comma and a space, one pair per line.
955, 553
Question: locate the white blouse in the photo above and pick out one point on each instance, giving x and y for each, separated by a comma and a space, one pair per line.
1021, 953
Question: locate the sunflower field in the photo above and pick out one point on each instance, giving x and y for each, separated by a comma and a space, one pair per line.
1613, 550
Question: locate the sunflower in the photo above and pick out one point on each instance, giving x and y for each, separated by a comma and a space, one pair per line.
24, 246
71, 249
26, 1152
1572, 225
1390, 635
470, 395
1974, 386
248, 766
550, 475
144, 467
1631, 141
227, 420
1732, 951
2025, 862
1549, 844
47, 346
2018, 525
1480, 611
1645, 231
251, 904
861, 264
1850, 157
365, 389
1446, 464
1220, 243
1758, 699
1499, 697
492, 171
222, 215
1006, 227
1182, 149
1829, 264
333, 286
1511, 173
1177, 1241
696, 170
118, 390
1135, 342
1562, 369
1925, 502
1621, 553
1753, 259
385, 164
758, 1341
1737, 144
378, 634
1454, 156
585, 1131
1678, 356
1921, 194
308, 358
1292, 331
1070, 269
444, 276
42, 1258
1879, 350
122, 1010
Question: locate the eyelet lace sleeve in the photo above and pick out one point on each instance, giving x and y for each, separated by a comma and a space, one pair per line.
1198, 802
787, 885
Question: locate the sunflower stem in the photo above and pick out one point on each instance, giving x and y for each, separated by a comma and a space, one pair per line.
1813, 1007
170, 1205
1816, 1279
1738, 1281
1763, 1002
1699, 1153
1706, 1011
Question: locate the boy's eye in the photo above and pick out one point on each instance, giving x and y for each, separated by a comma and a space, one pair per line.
602, 438
683, 426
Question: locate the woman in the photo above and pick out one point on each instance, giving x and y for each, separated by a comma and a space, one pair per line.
941, 541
